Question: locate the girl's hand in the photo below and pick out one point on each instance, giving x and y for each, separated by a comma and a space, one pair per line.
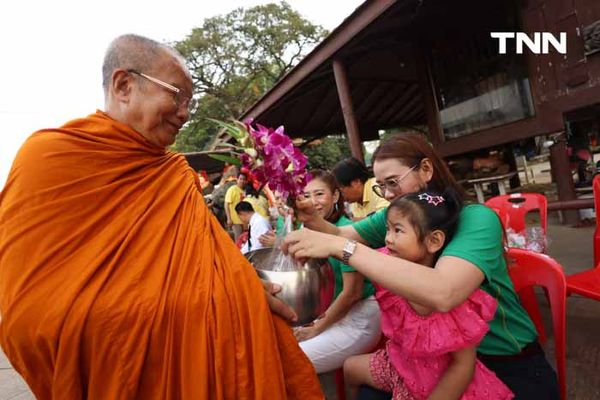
304, 243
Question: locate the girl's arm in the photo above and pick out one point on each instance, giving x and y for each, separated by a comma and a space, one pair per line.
457, 377
440, 289
351, 293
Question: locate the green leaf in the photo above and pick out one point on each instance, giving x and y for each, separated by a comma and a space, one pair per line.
232, 129
228, 159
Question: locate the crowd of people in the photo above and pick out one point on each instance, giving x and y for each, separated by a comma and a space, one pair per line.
118, 281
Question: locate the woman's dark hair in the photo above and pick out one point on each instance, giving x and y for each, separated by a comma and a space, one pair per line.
428, 211
410, 149
349, 169
329, 180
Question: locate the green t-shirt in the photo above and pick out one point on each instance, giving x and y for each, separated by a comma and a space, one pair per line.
339, 268
478, 239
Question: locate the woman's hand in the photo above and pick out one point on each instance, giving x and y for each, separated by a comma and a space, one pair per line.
305, 210
307, 332
305, 243
268, 239
276, 305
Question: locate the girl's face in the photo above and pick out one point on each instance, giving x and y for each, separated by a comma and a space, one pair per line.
401, 238
396, 179
321, 196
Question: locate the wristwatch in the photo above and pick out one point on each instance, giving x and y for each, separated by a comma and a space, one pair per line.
348, 250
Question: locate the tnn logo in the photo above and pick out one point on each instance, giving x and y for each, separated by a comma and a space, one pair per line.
539, 44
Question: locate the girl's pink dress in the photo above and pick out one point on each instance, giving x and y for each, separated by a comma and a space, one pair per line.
419, 346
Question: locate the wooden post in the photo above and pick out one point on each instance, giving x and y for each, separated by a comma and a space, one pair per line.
343, 88
426, 85
561, 170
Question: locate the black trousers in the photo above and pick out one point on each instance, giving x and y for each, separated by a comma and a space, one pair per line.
530, 377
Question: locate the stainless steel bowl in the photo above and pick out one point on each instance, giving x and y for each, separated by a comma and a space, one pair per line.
308, 290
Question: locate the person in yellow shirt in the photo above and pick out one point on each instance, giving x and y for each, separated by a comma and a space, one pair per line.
234, 195
357, 188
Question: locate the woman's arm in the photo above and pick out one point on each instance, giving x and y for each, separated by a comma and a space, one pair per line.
351, 293
457, 377
307, 214
441, 288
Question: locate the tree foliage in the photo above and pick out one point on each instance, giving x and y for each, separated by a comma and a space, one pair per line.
324, 153
235, 58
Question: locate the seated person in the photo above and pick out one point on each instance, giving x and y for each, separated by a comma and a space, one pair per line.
350, 325
257, 226
258, 200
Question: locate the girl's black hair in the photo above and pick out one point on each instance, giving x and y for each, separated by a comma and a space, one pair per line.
429, 210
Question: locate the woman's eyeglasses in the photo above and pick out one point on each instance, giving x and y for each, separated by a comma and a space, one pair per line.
391, 183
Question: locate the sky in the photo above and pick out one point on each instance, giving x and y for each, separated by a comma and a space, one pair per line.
52, 52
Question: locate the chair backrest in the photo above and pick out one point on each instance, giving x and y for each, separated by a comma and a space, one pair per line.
512, 209
596, 189
528, 269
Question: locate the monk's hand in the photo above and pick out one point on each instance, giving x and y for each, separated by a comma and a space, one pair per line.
305, 243
276, 305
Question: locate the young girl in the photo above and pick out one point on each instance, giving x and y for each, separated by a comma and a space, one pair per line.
428, 355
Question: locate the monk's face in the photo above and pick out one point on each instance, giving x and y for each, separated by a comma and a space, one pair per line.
156, 112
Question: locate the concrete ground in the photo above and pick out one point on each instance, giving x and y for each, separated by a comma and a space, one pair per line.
571, 247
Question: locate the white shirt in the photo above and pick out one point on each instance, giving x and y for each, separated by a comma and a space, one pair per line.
258, 226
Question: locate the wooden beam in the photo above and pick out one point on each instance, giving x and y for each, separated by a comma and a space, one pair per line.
352, 26
343, 87
561, 171
432, 111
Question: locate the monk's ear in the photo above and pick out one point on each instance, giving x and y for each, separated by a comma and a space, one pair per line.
121, 85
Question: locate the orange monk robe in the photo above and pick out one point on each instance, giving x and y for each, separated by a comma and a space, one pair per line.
116, 282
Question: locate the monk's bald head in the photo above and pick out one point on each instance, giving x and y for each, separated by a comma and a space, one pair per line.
134, 52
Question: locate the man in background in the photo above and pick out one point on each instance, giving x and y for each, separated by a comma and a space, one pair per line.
356, 186
257, 226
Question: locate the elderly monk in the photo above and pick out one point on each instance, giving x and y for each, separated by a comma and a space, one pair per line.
115, 280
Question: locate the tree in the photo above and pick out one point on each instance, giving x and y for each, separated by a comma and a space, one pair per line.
324, 153
235, 58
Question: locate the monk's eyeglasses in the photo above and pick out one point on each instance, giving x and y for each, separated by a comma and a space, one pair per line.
180, 98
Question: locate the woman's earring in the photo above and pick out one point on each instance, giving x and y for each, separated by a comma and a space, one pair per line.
335, 207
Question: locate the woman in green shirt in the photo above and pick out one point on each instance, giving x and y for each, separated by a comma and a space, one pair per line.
350, 325
474, 258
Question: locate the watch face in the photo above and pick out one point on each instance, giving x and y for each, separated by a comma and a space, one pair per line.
349, 246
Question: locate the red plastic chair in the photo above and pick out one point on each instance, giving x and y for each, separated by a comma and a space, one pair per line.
528, 269
587, 283
512, 209
596, 188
